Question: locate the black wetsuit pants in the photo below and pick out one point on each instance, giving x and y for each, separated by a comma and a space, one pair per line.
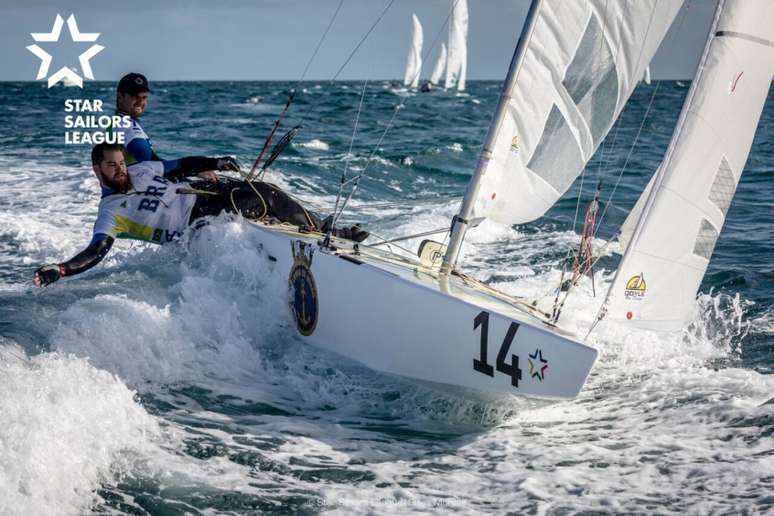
231, 196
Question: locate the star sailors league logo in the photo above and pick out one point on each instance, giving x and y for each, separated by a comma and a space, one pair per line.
537, 365
65, 73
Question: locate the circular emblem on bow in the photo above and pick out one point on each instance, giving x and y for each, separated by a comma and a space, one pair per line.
303, 290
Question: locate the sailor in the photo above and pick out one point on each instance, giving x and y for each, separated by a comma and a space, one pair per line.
142, 202
132, 95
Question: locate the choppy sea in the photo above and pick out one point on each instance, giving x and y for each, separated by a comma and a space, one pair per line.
168, 381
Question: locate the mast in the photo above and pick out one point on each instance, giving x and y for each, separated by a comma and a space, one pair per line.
461, 221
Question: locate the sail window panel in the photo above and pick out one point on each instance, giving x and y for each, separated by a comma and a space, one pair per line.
723, 187
591, 80
705, 241
557, 157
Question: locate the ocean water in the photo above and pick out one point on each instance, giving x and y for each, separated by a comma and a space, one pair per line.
168, 381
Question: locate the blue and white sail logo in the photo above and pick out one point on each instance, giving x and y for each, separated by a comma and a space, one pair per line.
65, 73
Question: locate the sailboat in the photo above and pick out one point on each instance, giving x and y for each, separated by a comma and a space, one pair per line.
457, 61
574, 68
414, 59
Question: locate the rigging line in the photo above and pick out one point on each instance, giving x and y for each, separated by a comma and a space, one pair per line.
571, 251
400, 106
628, 157
349, 157
639, 131
344, 181
419, 200
365, 167
319, 43
352, 54
362, 40
606, 157
409, 237
390, 244
266, 143
583, 172
292, 94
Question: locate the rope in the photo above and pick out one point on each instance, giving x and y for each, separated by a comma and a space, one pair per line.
260, 197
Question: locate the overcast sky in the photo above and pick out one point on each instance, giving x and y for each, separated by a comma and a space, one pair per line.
273, 39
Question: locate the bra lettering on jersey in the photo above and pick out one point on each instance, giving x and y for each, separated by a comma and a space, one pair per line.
149, 205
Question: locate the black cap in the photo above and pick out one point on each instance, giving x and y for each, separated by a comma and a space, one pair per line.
133, 83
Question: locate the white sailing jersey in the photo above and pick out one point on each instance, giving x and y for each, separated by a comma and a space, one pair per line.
134, 131
152, 211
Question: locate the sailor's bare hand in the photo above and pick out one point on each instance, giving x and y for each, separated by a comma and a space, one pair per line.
208, 175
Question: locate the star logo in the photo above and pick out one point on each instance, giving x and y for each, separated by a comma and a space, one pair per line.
65, 73
537, 365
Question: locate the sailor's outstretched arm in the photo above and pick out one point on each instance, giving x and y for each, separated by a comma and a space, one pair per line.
192, 165
81, 262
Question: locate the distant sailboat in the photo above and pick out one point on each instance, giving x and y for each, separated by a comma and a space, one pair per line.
457, 63
646, 76
414, 60
440, 65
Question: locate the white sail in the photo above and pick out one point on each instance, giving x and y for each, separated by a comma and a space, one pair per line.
627, 228
457, 61
414, 60
670, 248
440, 65
646, 77
582, 61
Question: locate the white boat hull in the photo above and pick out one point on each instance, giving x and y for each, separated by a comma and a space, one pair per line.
395, 317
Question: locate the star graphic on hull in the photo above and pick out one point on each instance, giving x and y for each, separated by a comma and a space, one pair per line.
65, 73
537, 365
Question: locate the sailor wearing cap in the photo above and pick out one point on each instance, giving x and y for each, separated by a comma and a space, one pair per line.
131, 99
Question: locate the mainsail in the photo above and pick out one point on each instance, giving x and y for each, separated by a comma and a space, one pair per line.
581, 64
457, 62
439, 65
680, 215
414, 60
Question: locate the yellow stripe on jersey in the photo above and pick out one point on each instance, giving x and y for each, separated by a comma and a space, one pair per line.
127, 228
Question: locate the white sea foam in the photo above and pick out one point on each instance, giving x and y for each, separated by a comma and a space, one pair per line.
66, 428
176, 334
315, 144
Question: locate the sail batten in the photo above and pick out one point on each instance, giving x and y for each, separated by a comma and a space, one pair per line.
681, 214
